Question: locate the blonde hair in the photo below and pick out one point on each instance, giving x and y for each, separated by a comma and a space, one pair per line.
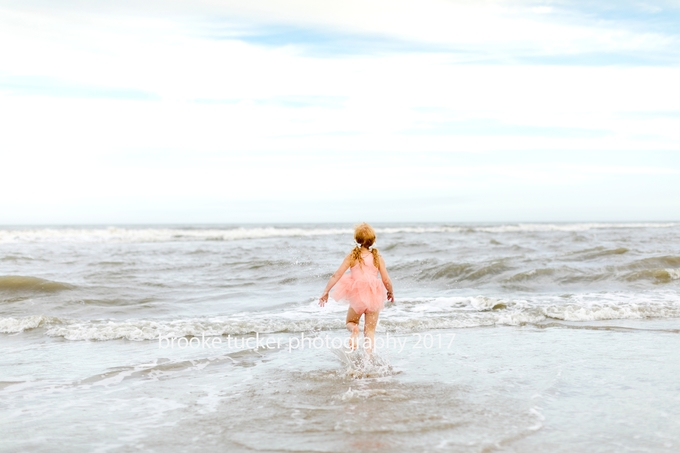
364, 235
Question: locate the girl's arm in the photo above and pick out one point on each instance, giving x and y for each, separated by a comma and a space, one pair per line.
386, 279
333, 280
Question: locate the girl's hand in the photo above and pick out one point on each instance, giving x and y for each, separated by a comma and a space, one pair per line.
390, 296
323, 299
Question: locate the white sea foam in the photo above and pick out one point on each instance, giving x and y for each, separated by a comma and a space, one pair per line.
139, 330
541, 227
674, 274
15, 325
407, 316
135, 235
132, 235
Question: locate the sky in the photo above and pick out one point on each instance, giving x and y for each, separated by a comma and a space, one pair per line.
209, 111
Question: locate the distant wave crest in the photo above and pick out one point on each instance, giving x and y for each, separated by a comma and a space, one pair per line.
151, 234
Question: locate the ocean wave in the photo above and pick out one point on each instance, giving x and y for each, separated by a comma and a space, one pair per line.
139, 330
656, 275
659, 269
461, 271
455, 312
568, 227
413, 315
14, 283
531, 275
133, 235
657, 261
136, 235
513, 273
598, 252
16, 325
16, 258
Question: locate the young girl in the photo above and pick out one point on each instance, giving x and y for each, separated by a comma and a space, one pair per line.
362, 287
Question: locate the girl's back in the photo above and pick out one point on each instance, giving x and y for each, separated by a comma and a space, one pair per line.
365, 268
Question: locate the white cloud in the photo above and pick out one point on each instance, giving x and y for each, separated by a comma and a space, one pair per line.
278, 117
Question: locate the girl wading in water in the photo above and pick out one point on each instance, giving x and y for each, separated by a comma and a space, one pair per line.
365, 288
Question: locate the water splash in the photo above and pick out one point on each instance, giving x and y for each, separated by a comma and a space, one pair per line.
361, 365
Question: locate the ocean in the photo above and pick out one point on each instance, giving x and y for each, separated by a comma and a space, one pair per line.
503, 337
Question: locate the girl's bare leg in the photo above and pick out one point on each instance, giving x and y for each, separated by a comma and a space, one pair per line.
370, 321
353, 326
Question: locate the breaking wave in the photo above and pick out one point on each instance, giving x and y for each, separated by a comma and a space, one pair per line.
407, 316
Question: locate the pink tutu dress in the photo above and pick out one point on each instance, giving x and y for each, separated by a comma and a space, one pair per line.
362, 288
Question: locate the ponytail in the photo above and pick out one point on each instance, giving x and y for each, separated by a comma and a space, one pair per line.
376, 257
355, 255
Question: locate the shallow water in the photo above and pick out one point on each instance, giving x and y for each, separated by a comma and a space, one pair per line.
503, 338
